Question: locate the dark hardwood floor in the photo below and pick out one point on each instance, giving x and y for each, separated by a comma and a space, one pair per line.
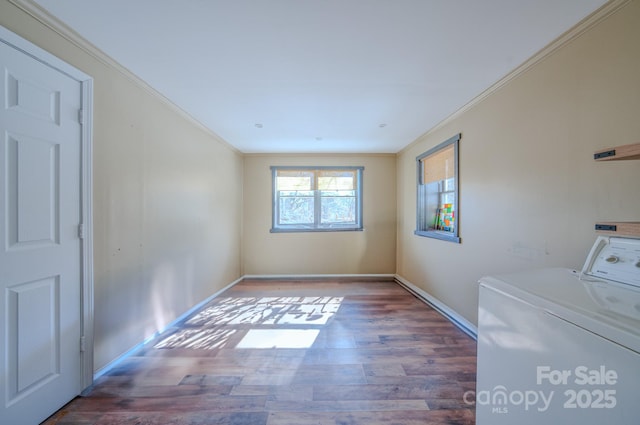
293, 353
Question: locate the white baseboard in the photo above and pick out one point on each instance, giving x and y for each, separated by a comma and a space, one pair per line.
98, 373
318, 276
463, 324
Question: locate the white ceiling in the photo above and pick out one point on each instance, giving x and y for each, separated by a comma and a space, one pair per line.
320, 75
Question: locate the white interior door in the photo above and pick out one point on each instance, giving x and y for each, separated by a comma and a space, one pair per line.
40, 248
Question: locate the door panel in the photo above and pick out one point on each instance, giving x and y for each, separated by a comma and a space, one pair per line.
33, 356
40, 251
32, 178
31, 98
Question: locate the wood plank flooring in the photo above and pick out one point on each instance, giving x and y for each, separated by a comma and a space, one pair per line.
288, 352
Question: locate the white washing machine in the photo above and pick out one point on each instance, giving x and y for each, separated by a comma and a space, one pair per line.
558, 346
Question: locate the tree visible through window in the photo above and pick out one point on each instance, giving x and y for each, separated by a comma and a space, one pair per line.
317, 198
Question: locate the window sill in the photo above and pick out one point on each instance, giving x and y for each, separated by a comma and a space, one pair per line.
435, 234
311, 230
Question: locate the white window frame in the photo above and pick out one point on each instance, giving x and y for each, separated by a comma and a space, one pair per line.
317, 226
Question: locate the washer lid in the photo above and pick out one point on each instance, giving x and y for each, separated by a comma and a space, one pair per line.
609, 309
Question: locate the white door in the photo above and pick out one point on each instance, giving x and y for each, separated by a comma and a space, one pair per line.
40, 249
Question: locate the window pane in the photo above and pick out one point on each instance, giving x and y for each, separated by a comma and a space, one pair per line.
338, 207
448, 197
439, 165
293, 183
296, 209
336, 180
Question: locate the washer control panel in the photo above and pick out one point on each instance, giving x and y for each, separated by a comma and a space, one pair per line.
616, 259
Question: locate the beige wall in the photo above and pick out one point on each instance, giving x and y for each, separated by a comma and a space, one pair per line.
530, 189
167, 202
371, 251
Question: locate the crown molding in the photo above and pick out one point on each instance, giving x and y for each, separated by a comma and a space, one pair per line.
331, 155
63, 30
576, 31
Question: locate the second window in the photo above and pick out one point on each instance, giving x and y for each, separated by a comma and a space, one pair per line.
316, 198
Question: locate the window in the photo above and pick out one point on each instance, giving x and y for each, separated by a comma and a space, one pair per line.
437, 212
312, 199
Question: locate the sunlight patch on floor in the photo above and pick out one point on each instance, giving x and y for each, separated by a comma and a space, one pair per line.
269, 311
197, 339
279, 338
222, 324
